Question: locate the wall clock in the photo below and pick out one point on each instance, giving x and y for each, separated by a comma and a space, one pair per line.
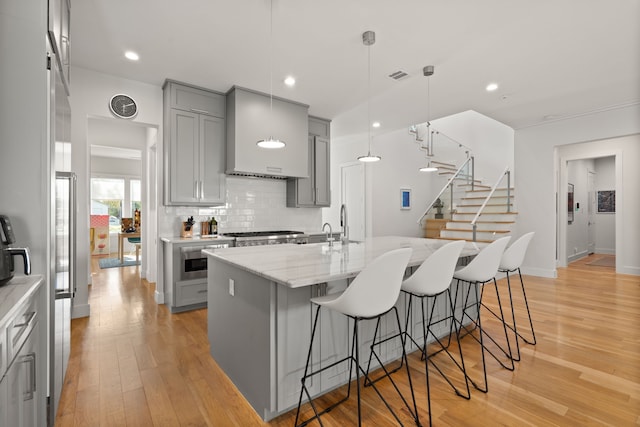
123, 106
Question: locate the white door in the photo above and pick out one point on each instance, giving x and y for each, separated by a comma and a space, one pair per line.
352, 196
591, 212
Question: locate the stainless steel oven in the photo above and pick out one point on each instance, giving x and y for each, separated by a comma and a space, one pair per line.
193, 263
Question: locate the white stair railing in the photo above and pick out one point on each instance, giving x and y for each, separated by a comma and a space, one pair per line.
506, 173
449, 185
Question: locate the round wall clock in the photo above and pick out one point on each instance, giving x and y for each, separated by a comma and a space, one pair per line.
123, 106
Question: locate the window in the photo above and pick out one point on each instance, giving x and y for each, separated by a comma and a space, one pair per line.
116, 197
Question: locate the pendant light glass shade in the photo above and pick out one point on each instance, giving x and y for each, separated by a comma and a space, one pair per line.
369, 158
271, 142
369, 38
429, 168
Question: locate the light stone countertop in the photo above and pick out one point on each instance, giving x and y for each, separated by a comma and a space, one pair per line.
197, 239
303, 265
14, 293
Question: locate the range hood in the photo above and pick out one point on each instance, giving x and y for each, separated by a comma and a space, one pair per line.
250, 119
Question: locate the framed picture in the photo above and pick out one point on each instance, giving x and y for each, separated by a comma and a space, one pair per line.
607, 201
405, 198
570, 204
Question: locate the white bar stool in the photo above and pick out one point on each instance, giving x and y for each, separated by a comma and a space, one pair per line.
431, 280
481, 270
370, 295
511, 261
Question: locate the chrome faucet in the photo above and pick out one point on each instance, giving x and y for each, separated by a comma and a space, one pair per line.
329, 234
343, 224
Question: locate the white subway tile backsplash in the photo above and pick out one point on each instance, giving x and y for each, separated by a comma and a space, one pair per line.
252, 204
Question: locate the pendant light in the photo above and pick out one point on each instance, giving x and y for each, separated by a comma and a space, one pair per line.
270, 142
369, 38
427, 72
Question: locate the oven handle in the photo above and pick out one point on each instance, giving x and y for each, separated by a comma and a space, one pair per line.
191, 252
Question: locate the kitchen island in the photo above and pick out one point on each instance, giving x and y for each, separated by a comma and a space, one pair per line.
260, 316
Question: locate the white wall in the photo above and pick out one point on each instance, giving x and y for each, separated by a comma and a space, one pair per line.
26, 154
577, 234
605, 222
538, 169
490, 142
90, 93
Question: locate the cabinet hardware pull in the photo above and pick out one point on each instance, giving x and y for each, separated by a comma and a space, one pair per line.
195, 110
26, 323
202, 292
273, 169
31, 382
202, 189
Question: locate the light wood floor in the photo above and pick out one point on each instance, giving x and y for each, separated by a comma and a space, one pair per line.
134, 364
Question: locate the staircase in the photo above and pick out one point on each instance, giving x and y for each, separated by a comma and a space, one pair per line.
463, 197
494, 222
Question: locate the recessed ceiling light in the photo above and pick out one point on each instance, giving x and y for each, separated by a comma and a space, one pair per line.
492, 86
131, 55
290, 81
376, 124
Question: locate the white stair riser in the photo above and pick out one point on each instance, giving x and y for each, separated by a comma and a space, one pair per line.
484, 217
481, 226
485, 193
488, 209
468, 235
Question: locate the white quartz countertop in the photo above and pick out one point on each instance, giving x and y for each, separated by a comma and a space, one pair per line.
14, 293
303, 265
197, 239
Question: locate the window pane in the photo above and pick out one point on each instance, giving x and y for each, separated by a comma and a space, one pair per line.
107, 188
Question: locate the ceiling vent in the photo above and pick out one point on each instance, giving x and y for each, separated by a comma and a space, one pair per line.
399, 75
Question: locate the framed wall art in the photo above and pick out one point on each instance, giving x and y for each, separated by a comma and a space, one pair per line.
405, 198
570, 204
607, 201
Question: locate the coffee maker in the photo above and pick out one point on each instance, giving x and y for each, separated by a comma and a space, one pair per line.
7, 252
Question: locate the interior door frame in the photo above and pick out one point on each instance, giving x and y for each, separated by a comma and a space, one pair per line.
561, 190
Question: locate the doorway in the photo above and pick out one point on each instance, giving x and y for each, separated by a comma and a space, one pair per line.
353, 197
122, 152
590, 173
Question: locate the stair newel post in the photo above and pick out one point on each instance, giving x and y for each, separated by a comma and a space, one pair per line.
508, 191
451, 202
474, 231
473, 173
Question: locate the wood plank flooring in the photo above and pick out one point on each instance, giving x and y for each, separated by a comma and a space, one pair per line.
135, 364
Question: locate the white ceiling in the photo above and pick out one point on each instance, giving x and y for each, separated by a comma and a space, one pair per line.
551, 58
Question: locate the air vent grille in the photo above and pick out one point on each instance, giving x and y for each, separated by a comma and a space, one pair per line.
399, 75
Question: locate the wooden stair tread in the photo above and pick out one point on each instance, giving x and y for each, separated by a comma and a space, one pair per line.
477, 231
436, 162
488, 204
499, 188
488, 213
481, 222
460, 238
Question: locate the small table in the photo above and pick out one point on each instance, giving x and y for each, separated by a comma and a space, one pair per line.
122, 236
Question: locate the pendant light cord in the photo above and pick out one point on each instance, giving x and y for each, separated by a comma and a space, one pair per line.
271, 66
369, 96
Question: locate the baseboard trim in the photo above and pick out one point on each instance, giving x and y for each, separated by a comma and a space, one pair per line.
540, 272
79, 311
634, 271
159, 297
605, 251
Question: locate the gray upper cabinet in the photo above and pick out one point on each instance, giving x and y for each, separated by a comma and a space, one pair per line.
59, 33
250, 119
194, 146
314, 191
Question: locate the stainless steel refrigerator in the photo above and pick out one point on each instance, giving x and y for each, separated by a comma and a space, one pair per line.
64, 284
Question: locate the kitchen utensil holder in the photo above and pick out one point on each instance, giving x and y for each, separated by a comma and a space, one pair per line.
184, 232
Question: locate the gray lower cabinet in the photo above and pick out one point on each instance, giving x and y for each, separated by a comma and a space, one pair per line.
195, 147
314, 191
23, 385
